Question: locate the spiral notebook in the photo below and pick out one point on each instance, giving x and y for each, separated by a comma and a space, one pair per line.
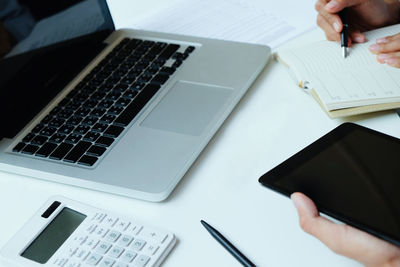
344, 87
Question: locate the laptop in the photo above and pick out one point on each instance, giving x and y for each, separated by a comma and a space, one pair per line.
120, 111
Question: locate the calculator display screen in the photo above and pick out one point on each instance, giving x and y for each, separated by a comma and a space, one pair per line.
53, 236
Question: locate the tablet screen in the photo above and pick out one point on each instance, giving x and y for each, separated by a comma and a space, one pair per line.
352, 174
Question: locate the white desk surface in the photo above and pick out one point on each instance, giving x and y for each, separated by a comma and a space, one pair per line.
273, 121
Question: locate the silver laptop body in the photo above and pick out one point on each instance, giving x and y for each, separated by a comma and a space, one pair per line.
156, 149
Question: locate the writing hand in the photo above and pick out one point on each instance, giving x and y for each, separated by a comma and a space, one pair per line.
363, 15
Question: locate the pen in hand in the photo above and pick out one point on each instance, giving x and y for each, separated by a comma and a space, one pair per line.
228, 245
345, 31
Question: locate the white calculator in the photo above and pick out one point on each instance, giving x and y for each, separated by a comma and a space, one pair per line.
71, 234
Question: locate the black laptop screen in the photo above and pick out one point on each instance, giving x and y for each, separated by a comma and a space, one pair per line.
43, 45
34, 24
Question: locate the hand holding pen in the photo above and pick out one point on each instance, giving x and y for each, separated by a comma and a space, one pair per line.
364, 16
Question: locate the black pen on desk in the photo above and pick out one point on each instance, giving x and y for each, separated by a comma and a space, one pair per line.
228, 245
344, 34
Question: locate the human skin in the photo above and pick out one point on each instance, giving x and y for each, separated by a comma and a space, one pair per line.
344, 239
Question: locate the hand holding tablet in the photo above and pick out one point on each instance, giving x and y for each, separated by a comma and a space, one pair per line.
343, 239
352, 174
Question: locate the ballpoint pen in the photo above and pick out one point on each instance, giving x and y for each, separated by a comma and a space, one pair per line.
345, 31
228, 245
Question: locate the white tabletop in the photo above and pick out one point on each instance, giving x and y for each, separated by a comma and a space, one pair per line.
274, 120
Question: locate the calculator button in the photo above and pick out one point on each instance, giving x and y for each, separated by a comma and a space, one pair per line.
98, 217
72, 264
91, 243
110, 221
100, 232
112, 236
149, 233
72, 250
121, 225
150, 249
133, 229
91, 228
107, 262
93, 259
128, 256
120, 264
138, 244
80, 239
125, 240
141, 261
81, 254
115, 252
60, 262
103, 247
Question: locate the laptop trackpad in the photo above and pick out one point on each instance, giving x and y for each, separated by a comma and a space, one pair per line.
188, 108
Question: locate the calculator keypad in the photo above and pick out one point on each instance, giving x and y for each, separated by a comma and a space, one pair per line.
111, 241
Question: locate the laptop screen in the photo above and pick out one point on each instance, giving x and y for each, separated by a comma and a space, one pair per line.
44, 44
34, 24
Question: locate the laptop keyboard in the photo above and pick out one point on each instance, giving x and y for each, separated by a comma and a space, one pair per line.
93, 115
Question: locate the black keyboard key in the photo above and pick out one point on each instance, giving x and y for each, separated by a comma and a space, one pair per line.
38, 128
98, 112
138, 86
96, 150
56, 122
28, 137
39, 140
46, 119
130, 94
145, 77
73, 105
46, 149
87, 160
74, 120
167, 70
19, 147
137, 104
115, 110
97, 96
91, 136
65, 114
177, 64
99, 127
190, 49
61, 151
113, 131
30, 149
180, 56
107, 118
90, 103
82, 112
55, 110
128, 80
73, 138
122, 102
82, 129
113, 96
160, 79
104, 141
169, 51
57, 138
90, 121
48, 131
66, 129
106, 103
77, 151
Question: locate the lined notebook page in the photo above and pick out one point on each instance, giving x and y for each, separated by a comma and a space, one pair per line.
357, 80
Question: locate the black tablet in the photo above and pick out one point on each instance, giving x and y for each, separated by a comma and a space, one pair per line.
352, 174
